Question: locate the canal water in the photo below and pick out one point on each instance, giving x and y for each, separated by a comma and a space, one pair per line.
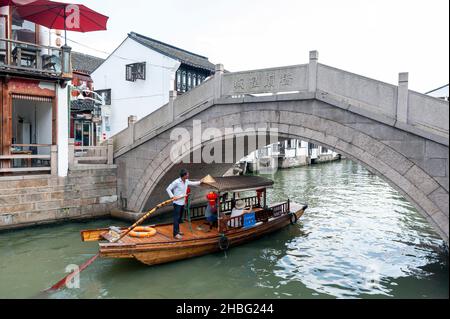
358, 239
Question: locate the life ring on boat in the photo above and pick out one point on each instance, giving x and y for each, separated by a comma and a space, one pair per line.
293, 218
224, 242
143, 232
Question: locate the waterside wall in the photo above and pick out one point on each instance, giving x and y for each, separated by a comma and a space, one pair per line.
33, 200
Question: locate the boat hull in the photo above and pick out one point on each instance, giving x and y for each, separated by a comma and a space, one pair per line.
159, 253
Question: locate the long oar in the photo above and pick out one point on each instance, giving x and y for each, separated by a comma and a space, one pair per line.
60, 284
69, 277
143, 218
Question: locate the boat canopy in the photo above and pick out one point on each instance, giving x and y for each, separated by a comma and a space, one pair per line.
238, 183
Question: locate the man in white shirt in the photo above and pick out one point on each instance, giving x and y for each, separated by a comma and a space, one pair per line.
178, 189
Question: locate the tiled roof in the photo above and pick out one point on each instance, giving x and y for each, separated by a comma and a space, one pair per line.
181, 55
82, 105
85, 63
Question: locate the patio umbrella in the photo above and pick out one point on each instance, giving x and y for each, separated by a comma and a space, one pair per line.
4, 3
61, 16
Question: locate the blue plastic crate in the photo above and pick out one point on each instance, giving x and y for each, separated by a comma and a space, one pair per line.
249, 220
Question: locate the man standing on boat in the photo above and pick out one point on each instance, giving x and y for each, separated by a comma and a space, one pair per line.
178, 190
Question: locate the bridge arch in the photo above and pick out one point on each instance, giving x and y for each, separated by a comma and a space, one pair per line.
397, 156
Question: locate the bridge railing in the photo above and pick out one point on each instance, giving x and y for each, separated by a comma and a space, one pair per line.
353, 89
194, 98
380, 101
383, 101
151, 122
80, 156
428, 113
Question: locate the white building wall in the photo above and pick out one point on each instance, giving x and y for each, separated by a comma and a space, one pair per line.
63, 130
141, 97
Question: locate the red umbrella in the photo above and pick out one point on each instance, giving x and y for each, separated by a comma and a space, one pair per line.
14, 2
62, 16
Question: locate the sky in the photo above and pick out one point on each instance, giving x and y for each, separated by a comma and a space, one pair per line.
377, 39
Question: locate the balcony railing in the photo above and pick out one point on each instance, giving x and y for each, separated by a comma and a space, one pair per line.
30, 57
26, 160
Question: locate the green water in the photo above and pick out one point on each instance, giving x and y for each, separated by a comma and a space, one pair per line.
358, 239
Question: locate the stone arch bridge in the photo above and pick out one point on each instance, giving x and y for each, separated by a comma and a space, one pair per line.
398, 134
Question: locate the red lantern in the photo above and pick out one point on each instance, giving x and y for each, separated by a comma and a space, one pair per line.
212, 197
75, 93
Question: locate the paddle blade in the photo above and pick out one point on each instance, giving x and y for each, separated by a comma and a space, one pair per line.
60, 284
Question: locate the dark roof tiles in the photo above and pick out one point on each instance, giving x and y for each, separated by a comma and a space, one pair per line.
85, 63
186, 57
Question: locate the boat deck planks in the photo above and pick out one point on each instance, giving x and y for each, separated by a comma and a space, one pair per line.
165, 234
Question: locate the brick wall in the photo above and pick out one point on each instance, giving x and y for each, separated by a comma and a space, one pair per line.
33, 200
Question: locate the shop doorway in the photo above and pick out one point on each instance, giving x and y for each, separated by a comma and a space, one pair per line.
32, 129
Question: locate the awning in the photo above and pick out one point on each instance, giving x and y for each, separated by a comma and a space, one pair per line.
238, 183
32, 98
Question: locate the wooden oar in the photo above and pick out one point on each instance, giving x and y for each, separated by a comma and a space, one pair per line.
143, 218
60, 284
69, 277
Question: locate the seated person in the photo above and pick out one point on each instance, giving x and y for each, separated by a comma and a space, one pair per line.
210, 213
238, 210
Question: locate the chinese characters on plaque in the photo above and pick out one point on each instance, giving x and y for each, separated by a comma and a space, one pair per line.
270, 81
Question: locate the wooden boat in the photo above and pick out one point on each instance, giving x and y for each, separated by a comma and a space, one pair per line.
163, 248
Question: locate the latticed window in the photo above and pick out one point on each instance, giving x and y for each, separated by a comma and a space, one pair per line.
178, 79
188, 78
183, 81
135, 71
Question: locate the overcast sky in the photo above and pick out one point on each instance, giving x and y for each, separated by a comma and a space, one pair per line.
377, 39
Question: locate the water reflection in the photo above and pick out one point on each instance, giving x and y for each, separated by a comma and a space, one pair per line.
361, 233
358, 239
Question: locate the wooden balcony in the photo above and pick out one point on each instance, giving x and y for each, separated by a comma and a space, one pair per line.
24, 161
35, 59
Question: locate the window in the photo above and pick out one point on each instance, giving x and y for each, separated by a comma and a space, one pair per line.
135, 71
178, 79
189, 80
106, 95
3, 34
107, 125
292, 144
183, 81
324, 150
